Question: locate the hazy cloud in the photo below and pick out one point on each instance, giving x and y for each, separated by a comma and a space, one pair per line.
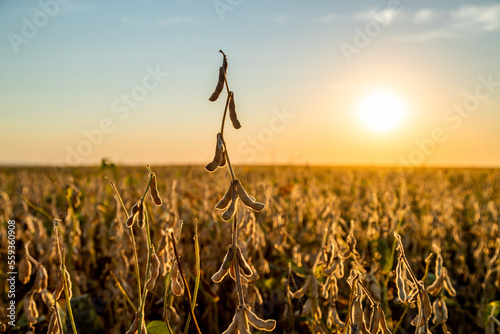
460, 23
476, 18
162, 22
424, 15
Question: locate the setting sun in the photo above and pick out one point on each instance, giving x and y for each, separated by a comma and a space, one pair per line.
381, 111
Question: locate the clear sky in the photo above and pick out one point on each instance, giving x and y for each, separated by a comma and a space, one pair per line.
130, 81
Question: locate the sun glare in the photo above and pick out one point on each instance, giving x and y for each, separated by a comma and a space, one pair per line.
381, 111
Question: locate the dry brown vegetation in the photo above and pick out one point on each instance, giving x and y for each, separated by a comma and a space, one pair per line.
323, 253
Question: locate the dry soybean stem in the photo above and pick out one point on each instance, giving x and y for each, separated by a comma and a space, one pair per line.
66, 292
136, 259
146, 276
198, 274
185, 282
351, 303
58, 317
225, 74
62, 259
229, 162
367, 293
395, 330
123, 291
224, 117
241, 300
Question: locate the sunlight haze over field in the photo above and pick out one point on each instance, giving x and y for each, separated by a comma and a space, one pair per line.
130, 80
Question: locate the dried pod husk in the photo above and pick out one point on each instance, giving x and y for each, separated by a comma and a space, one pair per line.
426, 302
243, 326
338, 266
130, 221
163, 243
246, 199
260, 324
358, 317
307, 308
224, 61
232, 207
135, 208
223, 270
412, 295
153, 191
314, 288
223, 160
224, 202
243, 264
177, 282
219, 153
447, 283
435, 288
133, 214
53, 326
48, 299
330, 288
304, 289
440, 311
220, 85
60, 286
232, 273
41, 279
333, 317
375, 320
233, 326
439, 265
140, 215
400, 283
30, 309
232, 112
318, 314
24, 270
383, 323
424, 308
154, 271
